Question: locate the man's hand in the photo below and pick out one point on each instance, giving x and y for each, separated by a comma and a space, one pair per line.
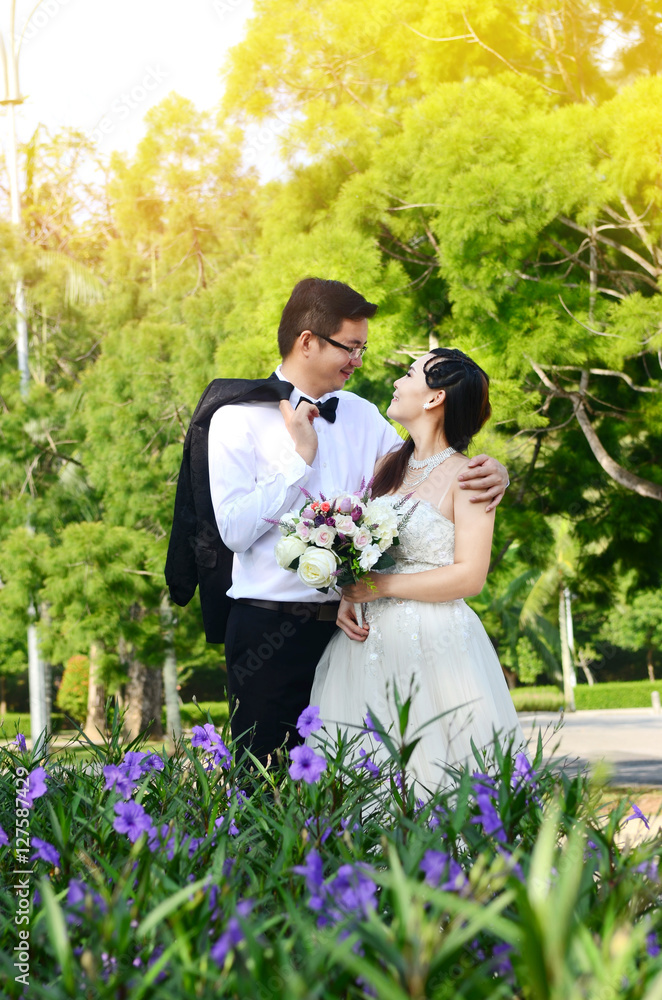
299, 423
348, 623
486, 474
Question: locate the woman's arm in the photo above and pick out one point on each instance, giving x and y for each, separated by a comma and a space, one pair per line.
466, 576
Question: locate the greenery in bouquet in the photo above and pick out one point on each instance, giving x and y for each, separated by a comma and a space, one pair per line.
339, 541
328, 875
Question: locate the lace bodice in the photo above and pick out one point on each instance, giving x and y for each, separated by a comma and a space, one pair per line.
427, 540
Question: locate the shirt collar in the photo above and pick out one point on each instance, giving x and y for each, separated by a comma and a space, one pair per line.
296, 393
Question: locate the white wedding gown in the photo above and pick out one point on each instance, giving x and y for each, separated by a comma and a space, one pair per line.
442, 649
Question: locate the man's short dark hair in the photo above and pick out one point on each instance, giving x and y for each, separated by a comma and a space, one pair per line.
320, 305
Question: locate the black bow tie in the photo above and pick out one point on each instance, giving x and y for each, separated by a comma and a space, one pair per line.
327, 409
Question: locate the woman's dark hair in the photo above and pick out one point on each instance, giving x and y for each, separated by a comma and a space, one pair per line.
320, 305
466, 409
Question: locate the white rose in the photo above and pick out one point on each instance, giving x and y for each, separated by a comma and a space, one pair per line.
303, 531
345, 525
362, 538
288, 549
369, 556
386, 540
316, 567
381, 514
324, 536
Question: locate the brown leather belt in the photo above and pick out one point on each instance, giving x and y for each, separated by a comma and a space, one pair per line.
327, 612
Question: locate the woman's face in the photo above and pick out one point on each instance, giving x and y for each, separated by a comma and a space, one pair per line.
411, 392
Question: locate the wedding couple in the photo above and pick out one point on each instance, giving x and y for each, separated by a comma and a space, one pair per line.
251, 446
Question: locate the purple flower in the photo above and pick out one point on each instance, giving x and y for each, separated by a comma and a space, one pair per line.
233, 829
436, 864
488, 816
36, 787
20, 742
345, 505
306, 764
331, 522
158, 838
325, 833
353, 890
319, 520
154, 762
228, 865
357, 513
4, 839
312, 870
232, 936
652, 945
501, 959
122, 778
309, 721
649, 869
368, 764
523, 772
208, 739
370, 728
45, 851
132, 820
637, 814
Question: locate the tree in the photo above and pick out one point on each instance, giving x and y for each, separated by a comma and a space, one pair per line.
635, 623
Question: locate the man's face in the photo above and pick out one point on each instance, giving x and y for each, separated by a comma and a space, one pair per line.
332, 366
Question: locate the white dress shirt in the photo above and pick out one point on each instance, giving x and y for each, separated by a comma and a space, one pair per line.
256, 473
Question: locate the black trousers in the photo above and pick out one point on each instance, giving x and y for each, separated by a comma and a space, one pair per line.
271, 659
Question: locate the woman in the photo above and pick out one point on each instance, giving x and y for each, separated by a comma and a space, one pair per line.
418, 629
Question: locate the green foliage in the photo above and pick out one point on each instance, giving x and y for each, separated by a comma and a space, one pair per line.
616, 694
318, 889
72, 693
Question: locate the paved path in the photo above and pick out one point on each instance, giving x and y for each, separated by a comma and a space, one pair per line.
629, 741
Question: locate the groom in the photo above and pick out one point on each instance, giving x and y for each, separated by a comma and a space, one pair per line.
265, 439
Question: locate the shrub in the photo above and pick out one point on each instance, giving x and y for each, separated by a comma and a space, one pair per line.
616, 694
191, 876
72, 693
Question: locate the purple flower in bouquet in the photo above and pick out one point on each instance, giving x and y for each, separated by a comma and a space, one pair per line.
45, 851
357, 513
36, 787
131, 819
4, 839
345, 505
306, 764
309, 721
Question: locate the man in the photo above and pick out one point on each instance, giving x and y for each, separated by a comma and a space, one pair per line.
260, 455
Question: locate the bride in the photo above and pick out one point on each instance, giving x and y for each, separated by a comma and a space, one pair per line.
418, 632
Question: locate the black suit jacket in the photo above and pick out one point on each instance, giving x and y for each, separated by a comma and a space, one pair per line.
197, 556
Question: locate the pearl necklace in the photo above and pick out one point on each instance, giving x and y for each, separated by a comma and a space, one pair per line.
418, 472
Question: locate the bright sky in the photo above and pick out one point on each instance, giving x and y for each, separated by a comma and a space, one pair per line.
99, 65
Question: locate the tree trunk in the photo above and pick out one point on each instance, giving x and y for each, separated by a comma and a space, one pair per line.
588, 674
566, 655
173, 716
3, 696
649, 664
144, 697
95, 723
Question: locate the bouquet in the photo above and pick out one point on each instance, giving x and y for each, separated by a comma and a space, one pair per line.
331, 543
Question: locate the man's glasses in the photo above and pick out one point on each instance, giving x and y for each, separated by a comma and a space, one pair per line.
354, 352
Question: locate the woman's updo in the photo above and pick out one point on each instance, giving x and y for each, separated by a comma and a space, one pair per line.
466, 408
467, 405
